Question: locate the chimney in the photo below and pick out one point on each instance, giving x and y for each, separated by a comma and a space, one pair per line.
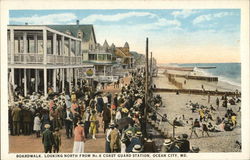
26, 23
77, 22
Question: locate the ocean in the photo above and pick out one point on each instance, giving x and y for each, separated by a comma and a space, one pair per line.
227, 72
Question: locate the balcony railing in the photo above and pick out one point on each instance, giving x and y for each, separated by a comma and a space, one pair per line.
36, 58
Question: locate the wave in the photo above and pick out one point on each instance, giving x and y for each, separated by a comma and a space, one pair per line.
220, 77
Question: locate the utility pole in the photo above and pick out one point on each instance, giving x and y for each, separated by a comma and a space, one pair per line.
151, 67
146, 83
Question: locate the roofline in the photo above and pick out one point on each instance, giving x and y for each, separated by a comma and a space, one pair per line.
40, 27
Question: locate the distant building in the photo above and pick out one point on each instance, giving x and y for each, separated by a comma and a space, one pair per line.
124, 56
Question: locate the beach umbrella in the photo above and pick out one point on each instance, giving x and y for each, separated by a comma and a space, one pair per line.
122, 123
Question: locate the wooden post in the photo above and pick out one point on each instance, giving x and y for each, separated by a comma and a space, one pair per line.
146, 87
45, 47
173, 130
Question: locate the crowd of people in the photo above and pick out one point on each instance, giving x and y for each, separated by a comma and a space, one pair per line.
208, 121
82, 113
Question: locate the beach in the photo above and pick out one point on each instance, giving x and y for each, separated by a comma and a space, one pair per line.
175, 106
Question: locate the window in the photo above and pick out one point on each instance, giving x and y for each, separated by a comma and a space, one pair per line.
100, 57
92, 56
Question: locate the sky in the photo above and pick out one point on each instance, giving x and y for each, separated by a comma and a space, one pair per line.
175, 35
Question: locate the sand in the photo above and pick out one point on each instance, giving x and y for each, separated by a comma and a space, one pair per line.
175, 106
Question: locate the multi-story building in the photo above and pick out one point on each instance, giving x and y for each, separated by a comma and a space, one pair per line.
40, 57
53, 56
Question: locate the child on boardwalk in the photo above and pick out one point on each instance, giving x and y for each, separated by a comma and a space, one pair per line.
57, 140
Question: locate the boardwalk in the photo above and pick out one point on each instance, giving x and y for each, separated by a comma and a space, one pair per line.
31, 144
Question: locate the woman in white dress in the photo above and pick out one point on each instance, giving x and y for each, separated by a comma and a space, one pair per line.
79, 138
37, 125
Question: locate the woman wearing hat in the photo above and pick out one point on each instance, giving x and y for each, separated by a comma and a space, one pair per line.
93, 126
79, 138
37, 125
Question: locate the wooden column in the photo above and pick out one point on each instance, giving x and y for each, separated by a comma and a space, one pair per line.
45, 82
75, 78
35, 43
25, 82
13, 78
69, 79
45, 48
54, 44
25, 42
54, 79
12, 46
25, 45
36, 80
63, 79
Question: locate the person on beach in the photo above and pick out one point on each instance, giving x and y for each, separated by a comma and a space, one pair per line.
196, 124
79, 139
217, 103
204, 129
208, 98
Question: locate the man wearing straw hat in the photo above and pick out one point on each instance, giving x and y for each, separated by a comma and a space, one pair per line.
79, 138
47, 139
137, 149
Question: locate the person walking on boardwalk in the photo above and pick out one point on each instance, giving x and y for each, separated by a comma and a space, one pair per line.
57, 140
47, 139
149, 145
99, 105
93, 126
86, 117
115, 145
16, 117
194, 127
79, 139
37, 125
106, 116
68, 122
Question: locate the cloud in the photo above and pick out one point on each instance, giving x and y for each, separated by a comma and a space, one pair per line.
47, 19
116, 17
158, 22
184, 13
209, 17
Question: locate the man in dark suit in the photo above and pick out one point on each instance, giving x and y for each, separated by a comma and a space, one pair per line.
47, 139
68, 122
184, 143
16, 117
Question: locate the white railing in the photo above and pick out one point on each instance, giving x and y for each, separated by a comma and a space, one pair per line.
37, 58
